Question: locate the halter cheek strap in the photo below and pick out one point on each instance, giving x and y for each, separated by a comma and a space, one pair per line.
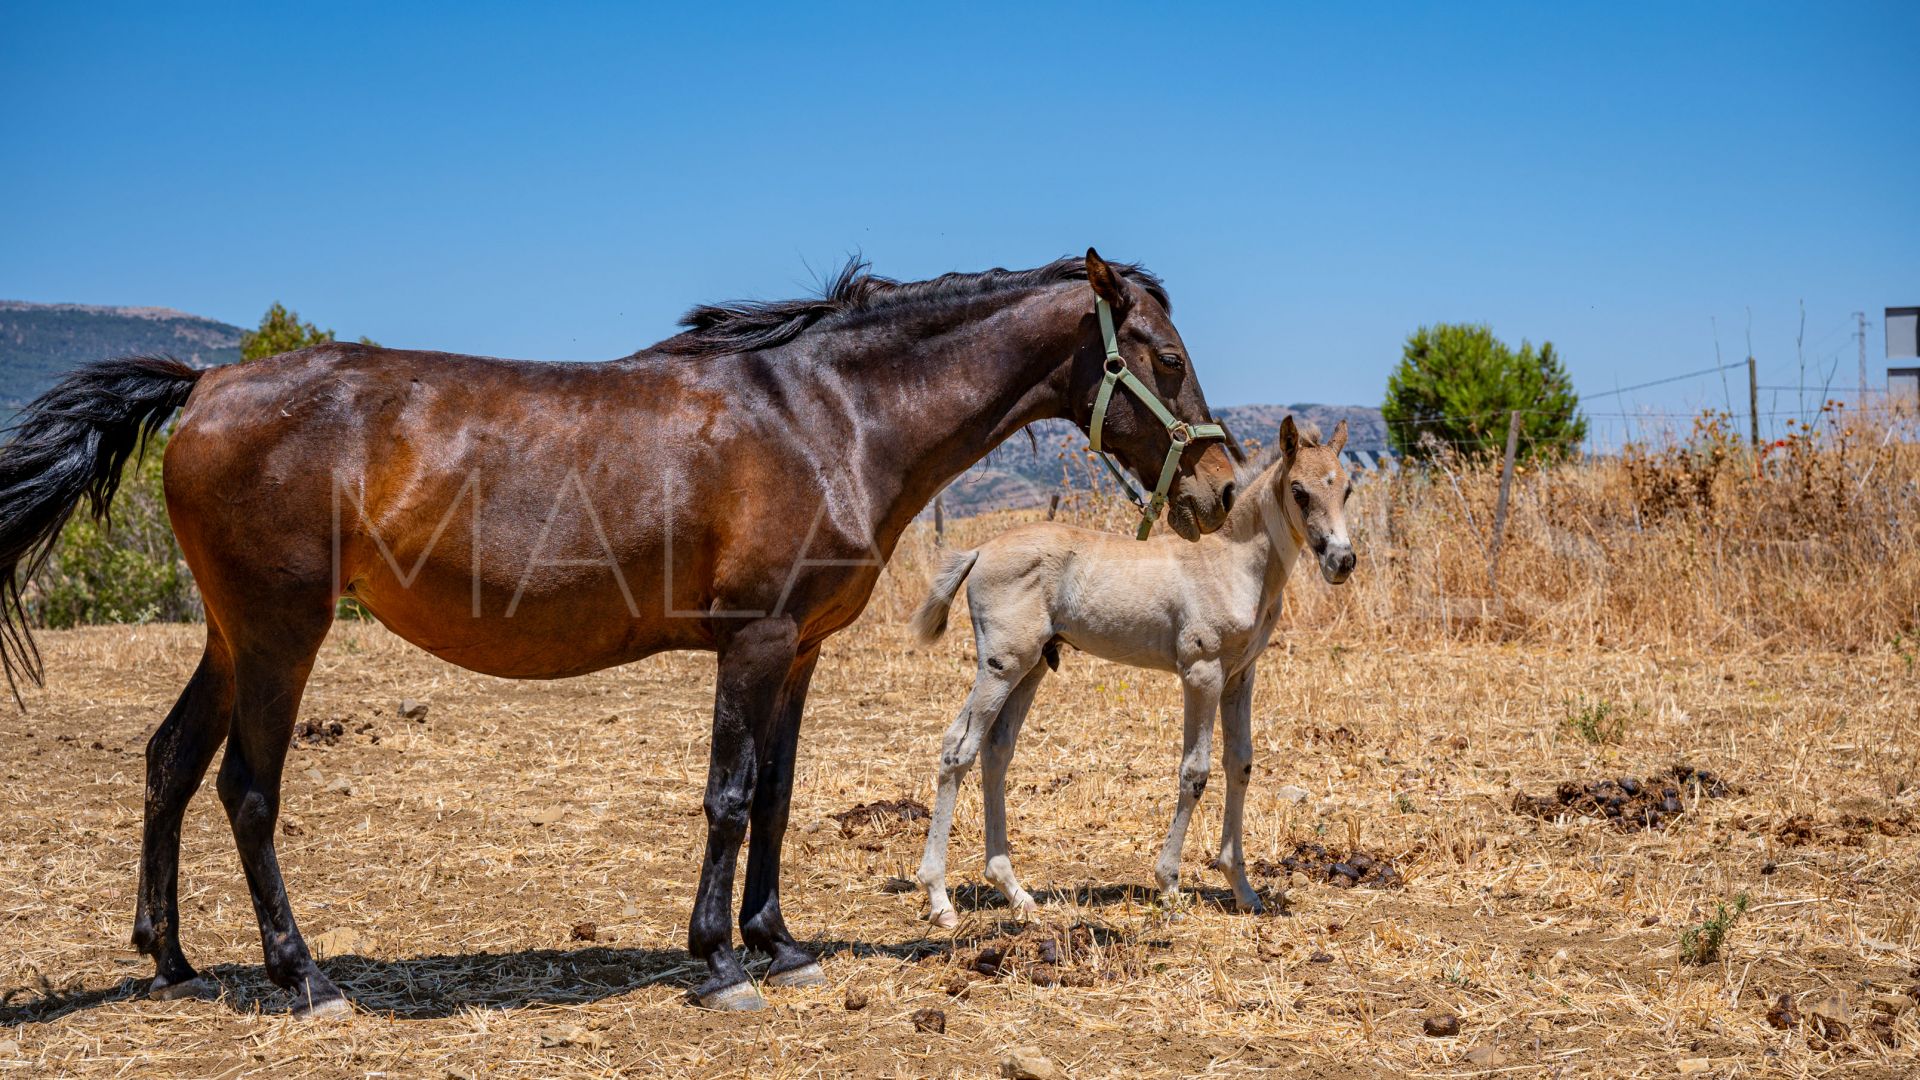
1179, 431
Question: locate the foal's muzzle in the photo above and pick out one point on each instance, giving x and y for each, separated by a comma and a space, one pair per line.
1337, 562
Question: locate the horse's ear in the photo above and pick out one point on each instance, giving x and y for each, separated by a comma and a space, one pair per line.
1106, 283
1339, 436
1289, 440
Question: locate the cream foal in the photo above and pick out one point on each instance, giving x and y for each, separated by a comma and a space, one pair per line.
1203, 610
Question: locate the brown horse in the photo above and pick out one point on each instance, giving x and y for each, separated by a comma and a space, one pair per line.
735, 488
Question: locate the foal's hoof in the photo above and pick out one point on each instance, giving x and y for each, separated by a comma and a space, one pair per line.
198, 986
1027, 912
802, 976
740, 997
326, 1008
945, 920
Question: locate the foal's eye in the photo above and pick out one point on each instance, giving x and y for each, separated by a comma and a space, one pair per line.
1300, 495
1173, 360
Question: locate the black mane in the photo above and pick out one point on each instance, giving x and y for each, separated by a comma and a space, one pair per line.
745, 325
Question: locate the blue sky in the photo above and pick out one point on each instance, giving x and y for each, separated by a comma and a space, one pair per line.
561, 181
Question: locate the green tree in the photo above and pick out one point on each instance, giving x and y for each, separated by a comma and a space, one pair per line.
282, 331
127, 569
1460, 383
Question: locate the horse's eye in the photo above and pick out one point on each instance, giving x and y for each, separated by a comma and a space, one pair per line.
1173, 360
1300, 495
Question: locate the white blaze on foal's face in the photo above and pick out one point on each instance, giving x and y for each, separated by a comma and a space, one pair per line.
1315, 494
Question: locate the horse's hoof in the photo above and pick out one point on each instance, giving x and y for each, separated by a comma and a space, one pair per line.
1027, 912
326, 1008
197, 987
945, 920
740, 997
802, 976
1253, 908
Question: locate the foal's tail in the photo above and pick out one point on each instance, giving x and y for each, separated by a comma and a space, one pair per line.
68, 445
931, 620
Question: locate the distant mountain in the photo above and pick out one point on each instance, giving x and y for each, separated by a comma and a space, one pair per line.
41, 342
1021, 474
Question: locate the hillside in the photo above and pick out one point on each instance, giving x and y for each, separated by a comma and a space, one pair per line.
40, 342
1020, 474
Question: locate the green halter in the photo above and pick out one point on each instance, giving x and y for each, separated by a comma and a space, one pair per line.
1181, 432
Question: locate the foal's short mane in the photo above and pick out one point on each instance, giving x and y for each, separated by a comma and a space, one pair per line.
745, 325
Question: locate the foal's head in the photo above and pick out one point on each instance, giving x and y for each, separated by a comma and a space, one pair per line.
1313, 486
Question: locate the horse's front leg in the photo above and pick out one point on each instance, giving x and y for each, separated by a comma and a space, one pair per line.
754, 662
1202, 684
1236, 754
761, 925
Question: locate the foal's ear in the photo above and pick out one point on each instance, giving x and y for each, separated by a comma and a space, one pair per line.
1339, 437
1106, 283
1289, 440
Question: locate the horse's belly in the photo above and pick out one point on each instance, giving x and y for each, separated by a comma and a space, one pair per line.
545, 630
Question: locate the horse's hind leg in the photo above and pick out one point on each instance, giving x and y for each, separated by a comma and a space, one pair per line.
269, 681
1236, 753
999, 673
177, 757
997, 756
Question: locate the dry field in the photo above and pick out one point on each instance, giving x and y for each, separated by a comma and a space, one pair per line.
503, 887
443, 868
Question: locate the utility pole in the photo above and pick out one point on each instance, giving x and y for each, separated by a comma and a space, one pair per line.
1860, 331
1753, 401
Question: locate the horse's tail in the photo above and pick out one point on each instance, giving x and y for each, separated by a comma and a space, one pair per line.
931, 620
69, 444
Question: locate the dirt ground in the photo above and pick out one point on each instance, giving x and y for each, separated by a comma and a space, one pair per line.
503, 886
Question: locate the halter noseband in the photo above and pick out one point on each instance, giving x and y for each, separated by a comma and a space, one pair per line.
1181, 432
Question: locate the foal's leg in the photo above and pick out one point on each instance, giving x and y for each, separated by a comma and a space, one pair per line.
177, 758
999, 673
761, 925
993, 790
1201, 683
269, 685
754, 663
1236, 752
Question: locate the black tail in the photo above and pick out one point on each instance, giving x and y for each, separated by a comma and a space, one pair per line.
70, 443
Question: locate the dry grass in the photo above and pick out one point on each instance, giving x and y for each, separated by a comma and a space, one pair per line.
453, 871
442, 867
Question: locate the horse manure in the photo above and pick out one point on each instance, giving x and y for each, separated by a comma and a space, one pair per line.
931, 1021
1781, 1014
324, 732
415, 711
1849, 829
1441, 1025
957, 985
585, 931
856, 999
1627, 803
989, 961
1317, 863
885, 816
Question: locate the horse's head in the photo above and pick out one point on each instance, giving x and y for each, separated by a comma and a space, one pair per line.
1312, 489
1202, 490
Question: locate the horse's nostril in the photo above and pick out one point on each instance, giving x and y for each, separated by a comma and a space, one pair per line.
1226, 497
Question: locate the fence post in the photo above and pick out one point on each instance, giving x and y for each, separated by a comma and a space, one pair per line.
1753, 402
939, 519
1500, 505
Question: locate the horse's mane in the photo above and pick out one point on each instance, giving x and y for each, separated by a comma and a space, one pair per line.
746, 325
